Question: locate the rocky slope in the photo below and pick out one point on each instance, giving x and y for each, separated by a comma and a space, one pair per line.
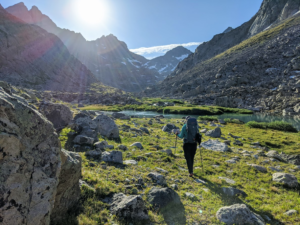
33, 58
261, 72
107, 58
167, 63
270, 13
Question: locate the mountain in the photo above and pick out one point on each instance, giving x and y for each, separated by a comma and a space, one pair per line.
167, 63
271, 13
262, 71
107, 58
33, 58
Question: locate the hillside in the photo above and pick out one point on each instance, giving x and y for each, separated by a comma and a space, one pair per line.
261, 72
107, 58
31, 57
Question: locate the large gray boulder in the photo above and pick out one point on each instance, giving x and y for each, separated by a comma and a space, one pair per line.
68, 191
238, 214
113, 156
58, 114
158, 178
167, 202
286, 179
230, 191
83, 140
215, 145
275, 155
29, 164
129, 209
216, 133
169, 127
106, 126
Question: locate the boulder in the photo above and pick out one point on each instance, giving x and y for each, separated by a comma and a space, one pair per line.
169, 127
118, 115
113, 156
292, 159
215, 145
101, 145
230, 191
287, 179
130, 162
167, 202
122, 147
291, 212
106, 126
94, 154
275, 155
83, 140
84, 120
68, 191
259, 168
129, 209
144, 129
138, 145
216, 133
158, 178
29, 163
238, 214
58, 114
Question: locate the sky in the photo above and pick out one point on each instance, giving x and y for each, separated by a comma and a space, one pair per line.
148, 27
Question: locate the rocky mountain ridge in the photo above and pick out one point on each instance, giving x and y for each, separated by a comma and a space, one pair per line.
33, 58
270, 13
167, 63
261, 73
107, 58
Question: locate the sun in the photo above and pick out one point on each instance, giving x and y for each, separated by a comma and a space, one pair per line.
91, 12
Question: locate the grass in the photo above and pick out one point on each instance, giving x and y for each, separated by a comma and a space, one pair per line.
277, 125
230, 120
264, 197
209, 118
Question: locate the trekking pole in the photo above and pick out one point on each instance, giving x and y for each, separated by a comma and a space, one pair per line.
201, 159
175, 144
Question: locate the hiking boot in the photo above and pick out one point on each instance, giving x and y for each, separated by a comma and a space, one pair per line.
191, 174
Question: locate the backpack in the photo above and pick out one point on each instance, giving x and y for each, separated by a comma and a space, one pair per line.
192, 131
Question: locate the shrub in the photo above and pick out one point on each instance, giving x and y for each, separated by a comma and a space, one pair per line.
277, 125
230, 120
209, 118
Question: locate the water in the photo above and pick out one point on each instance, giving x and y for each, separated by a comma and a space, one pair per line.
243, 117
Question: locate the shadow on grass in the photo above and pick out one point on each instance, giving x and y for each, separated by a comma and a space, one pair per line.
228, 200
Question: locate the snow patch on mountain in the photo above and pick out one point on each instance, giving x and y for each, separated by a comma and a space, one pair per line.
182, 57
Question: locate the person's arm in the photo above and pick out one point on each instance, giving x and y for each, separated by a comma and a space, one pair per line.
183, 133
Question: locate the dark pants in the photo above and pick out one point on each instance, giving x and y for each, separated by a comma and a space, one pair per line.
189, 154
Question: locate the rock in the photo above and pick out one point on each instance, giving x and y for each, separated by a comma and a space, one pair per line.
83, 140
274, 169
297, 168
30, 163
216, 133
94, 154
168, 151
129, 209
292, 159
259, 168
190, 196
118, 115
215, 145
231, 161
169, 127
84, 120
174, 186
58, 114
110, 147
275, 155
130, 162
68, 190
113, 156
237, 142
230, 191
238, 214
229, 181
287, 179
101, 145
106, 126
221, 121
167, 202
161, 170
291, 212
144, 129
203, 130
122, 147
138, 145
158, 178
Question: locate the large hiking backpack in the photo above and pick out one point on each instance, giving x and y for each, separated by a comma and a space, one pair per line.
192, 130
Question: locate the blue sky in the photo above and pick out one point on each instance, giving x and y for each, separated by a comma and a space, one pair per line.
148, 23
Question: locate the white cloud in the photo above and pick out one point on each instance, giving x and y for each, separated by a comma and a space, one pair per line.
155, 51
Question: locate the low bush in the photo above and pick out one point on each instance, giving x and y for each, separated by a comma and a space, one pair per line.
209, 118
230, 120
277, 125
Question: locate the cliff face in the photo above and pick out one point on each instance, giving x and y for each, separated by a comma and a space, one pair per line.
33, 58
107, 58
270, 13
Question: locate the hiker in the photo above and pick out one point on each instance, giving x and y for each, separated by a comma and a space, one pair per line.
190, 134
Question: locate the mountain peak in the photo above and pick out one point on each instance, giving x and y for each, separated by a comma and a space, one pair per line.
228, 30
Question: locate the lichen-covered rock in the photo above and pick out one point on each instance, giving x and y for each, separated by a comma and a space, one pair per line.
68, 191
58, 114
216, 133
286, 179
113, 156
29, 164
158, 178
238, 214
129, 209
